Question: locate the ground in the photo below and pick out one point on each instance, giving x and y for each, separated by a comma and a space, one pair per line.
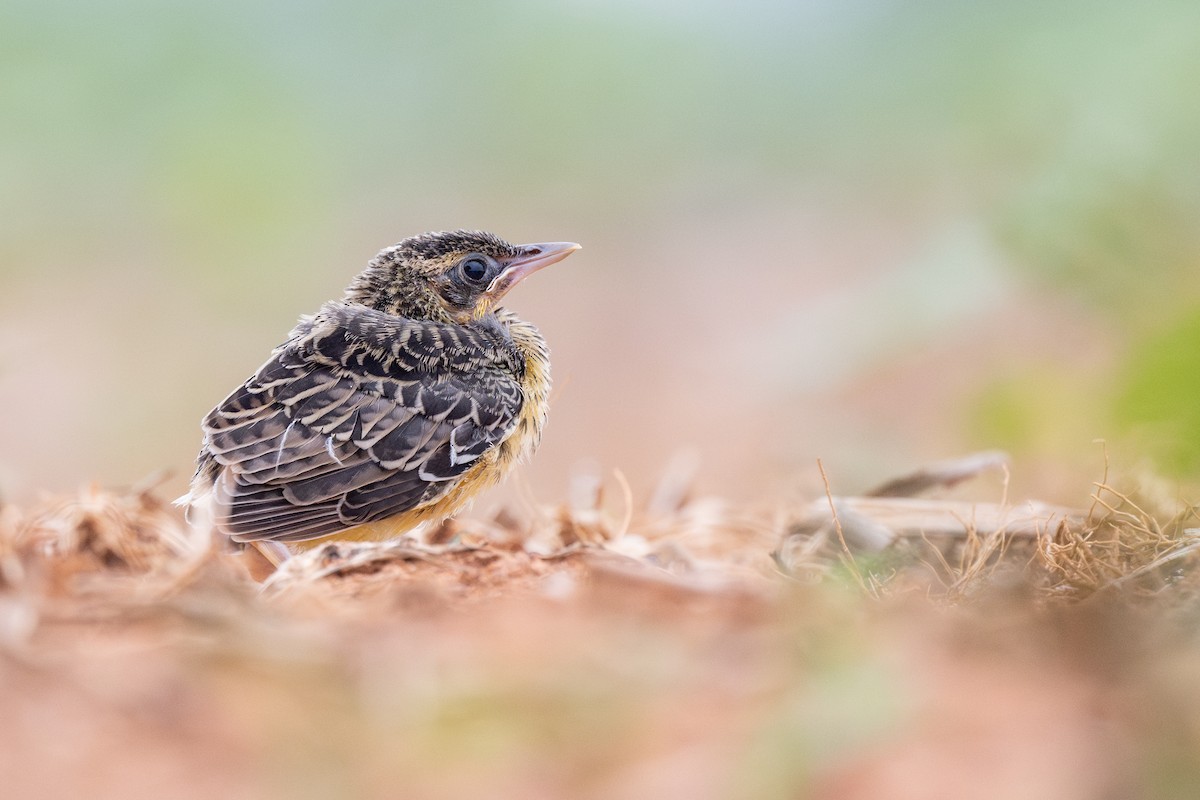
687, 650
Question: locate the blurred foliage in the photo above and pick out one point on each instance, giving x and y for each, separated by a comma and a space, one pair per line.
249, 114
1147, 404
228, 155
1159, 394
1125, 244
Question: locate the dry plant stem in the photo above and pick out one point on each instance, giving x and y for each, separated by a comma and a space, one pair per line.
937, 552
627, 496
1103, 478
907, 516
942, 474
848, 557
973, 560
1140, 519
1114, 549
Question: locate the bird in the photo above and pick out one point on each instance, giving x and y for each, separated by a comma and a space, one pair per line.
394, 406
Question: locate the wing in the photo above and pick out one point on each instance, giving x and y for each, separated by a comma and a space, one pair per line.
359, 416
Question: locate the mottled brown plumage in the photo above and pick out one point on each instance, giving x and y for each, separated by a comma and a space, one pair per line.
392, 406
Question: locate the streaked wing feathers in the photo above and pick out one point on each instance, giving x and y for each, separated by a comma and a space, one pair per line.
358, 416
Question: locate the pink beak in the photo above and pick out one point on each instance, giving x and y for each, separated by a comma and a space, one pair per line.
530, 259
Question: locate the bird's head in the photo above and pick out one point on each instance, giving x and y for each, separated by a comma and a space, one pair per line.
452, 276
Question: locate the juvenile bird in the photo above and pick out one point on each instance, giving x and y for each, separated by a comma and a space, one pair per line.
393, 406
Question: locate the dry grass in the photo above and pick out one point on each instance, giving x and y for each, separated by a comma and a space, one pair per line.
1120, 545
894, 647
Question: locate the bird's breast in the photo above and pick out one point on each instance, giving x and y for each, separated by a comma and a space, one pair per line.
535, 386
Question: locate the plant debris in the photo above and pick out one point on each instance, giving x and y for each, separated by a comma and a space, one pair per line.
847, 648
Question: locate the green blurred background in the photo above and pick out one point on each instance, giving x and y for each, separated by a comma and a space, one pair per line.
872, 232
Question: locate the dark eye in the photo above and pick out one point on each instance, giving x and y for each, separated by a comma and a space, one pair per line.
474, 269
